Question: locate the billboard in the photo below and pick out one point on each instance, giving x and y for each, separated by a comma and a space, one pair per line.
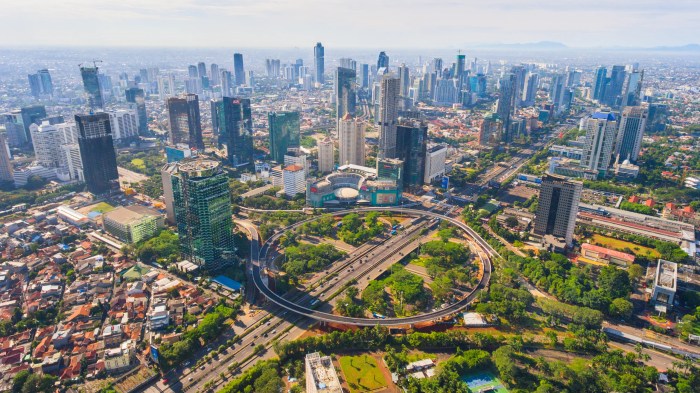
155, 355
445, 182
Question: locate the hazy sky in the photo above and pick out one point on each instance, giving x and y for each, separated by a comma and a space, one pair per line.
340, 23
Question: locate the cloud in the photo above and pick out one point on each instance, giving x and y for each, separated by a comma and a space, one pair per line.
355, 23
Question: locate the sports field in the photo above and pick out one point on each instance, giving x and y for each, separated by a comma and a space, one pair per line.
617, 244
362, 373
484, 383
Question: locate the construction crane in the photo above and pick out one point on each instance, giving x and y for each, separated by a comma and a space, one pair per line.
94, 63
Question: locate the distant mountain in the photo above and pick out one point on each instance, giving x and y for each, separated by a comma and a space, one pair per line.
682, 48
541, 45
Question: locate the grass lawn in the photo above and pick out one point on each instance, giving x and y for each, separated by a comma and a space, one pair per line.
139, 163
102, 207
620, 245
362, 373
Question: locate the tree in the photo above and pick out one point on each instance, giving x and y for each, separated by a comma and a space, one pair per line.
635, 272
621, 308
511, 221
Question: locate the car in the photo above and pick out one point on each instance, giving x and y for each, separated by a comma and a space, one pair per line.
203, 367
265, 335
252, 344
189, 379
255, 336
165, 380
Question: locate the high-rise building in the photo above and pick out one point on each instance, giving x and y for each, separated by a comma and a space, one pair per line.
632, 88
34, 84
97, 152
600, 137
215, 75
435, 159
459, 66
226, 83
345, 92
202, 70
124, 125
364, 76
383, 60
294, 180
236, 129
192, 71
46, 141
629, 136
391, 169
6, 170
436, 66
504, 109
405, 80
346, 62
600, 82
91, 83
202, 210
238, 70
530, 90
319, 63
490, 129
284, 133
411, 147
388, 115
351, 141
272, 68
557, 207
613, 89
14, 128
325, 155
32, 115
136, 97
185, 122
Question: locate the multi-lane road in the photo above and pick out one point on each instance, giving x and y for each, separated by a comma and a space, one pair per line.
285, 323
400, 241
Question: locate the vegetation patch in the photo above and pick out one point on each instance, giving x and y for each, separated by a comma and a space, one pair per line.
362, 373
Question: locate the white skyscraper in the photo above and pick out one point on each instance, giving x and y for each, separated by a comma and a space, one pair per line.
325, 155
125, 124
351, 141
600, 137
388, 116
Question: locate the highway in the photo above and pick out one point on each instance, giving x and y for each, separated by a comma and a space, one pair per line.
400, 241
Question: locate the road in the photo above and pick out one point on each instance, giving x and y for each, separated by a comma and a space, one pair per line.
399, 241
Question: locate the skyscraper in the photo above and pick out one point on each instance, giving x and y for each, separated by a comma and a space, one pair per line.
559, 94
319, 63
388, 114
192, 71
236, 129
45, 81
530, 90
364, 76
600, 82
34, 84
405, 80
32, 115
504, 109
351, 141
383, 60
136, 97
284, 133
629, 136
600, 136
459, 66
202, 70
613, 89
325, 155
411, 147
345, 92
557, 207
202, 208
6, 170
185, 122
632, 88
91, 83
238, 70
215, 74
97, 152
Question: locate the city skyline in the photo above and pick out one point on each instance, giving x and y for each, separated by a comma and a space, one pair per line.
265, 24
